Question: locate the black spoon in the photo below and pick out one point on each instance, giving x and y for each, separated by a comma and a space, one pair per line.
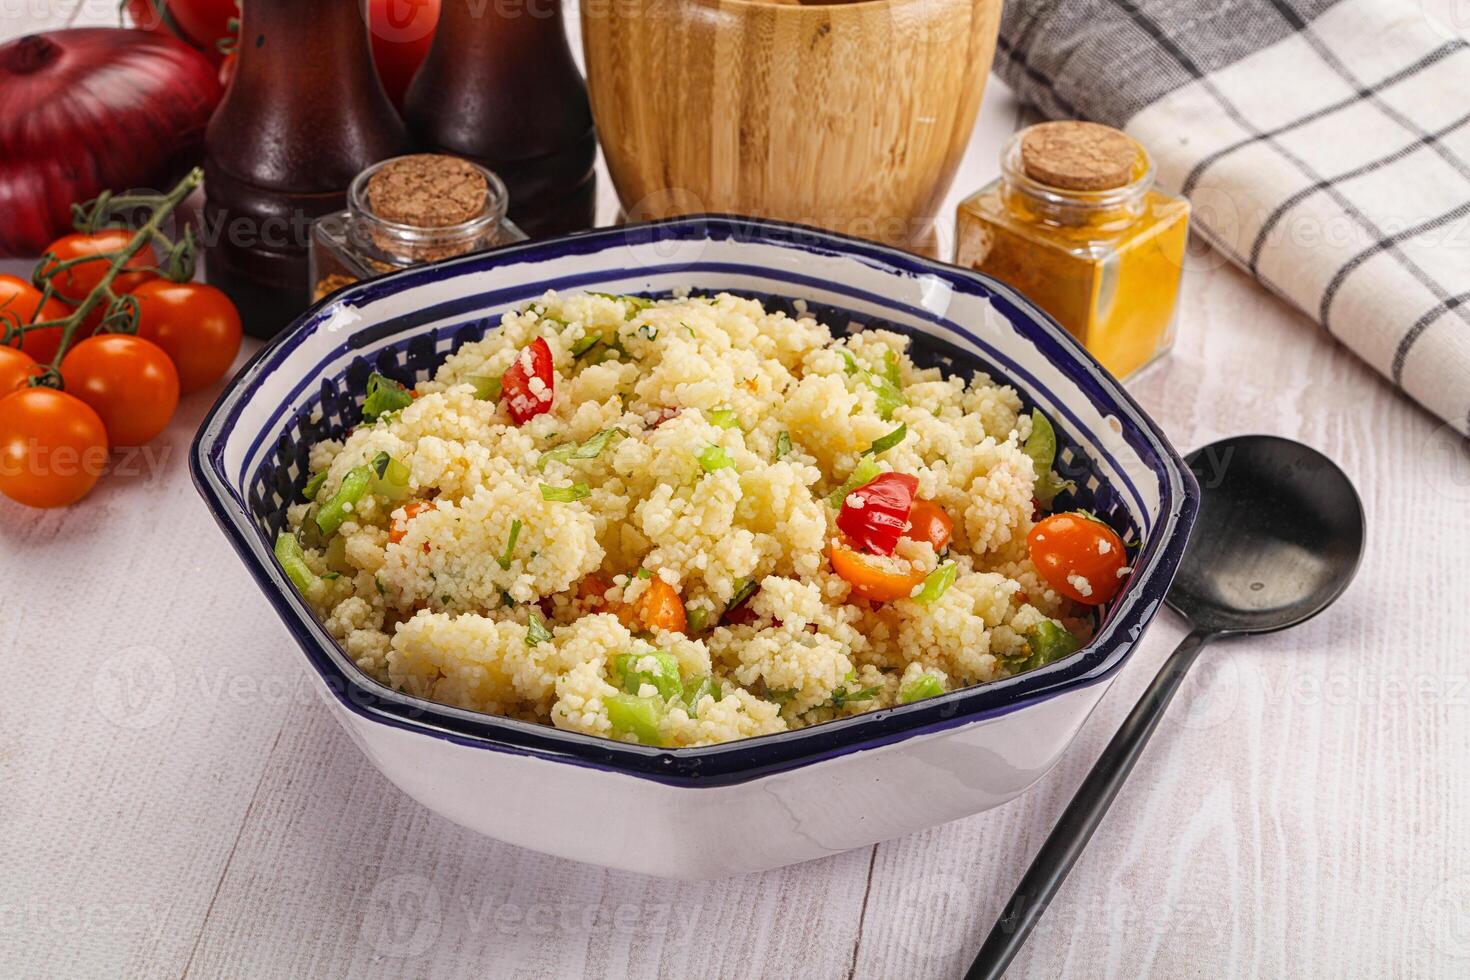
1278, 538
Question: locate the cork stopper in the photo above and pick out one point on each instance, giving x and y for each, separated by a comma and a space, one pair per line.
427, 190
1078, 156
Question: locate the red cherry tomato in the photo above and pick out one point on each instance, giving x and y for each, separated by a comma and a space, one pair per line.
129, 382
20, 304
53, 447
528, 386
16, 369
77, 282
1080, 557
196, 325
928, 522
876, 514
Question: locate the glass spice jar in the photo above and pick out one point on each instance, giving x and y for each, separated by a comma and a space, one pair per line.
407, 211
1075, 224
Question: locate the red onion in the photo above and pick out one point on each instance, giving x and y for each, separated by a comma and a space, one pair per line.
89, 110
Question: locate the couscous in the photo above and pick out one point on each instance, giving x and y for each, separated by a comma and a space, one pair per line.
691, 520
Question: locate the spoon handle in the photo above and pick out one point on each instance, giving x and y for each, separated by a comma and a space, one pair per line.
1050, 866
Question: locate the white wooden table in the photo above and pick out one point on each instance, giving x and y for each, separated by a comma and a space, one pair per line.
175, 804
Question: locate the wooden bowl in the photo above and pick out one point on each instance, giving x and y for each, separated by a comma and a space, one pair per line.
849, 116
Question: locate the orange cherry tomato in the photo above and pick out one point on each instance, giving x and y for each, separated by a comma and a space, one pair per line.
129, 382
20, 304
77, 282
400, 528
53, 447
16, 369
1080, 557
875, 578
928, 522
660, 608
196, 324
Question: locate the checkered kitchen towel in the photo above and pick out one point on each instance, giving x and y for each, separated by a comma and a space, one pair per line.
1325, 145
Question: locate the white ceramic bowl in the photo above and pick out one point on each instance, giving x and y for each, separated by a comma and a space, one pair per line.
753, 804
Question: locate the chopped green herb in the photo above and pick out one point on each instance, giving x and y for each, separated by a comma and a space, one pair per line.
565, 495
314, 486
696, 691
506, 599
863, 473
390, 478
783, 445
724, 418
923, 686
937, 583
536, 631
1049, 641
713, 458
885, 386
841, 696
639, 717
644, 574
335, 510
510, 544
379, 584
1041, 446
487, 389
689, 328
648, 332
590, 449
329, 576
293, 562
744, 589
384, 396
663, 675
884, 443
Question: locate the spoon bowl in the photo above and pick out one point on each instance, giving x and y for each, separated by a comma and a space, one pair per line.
1278, 537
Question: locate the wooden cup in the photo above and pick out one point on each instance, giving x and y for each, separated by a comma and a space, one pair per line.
849, 116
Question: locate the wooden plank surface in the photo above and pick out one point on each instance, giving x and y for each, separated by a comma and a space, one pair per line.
175, 804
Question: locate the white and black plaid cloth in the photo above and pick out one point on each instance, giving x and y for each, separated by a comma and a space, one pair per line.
1324, 144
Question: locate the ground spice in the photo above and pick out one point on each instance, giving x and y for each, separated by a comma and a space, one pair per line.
1075, 224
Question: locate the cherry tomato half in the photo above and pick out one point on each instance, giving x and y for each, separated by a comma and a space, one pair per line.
20, 304
77, 282
874, 577
1080, 557
196, 325
528, 386
928, 522
876, 514
129, 382
53, 447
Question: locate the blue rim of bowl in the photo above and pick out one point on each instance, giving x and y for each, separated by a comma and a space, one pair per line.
739, 761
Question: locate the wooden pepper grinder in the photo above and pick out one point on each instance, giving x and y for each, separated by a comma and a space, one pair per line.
304, 115
499, 86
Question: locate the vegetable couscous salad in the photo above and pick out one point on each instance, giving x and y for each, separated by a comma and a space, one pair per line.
688, 521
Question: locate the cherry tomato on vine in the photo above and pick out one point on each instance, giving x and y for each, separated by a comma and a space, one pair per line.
876, 578
196, 325
401, 32
928, 522
16, 368
74, 284
128, 381
528, 385
876, 514
20, 303
202, 23
1079, 556
53, 447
